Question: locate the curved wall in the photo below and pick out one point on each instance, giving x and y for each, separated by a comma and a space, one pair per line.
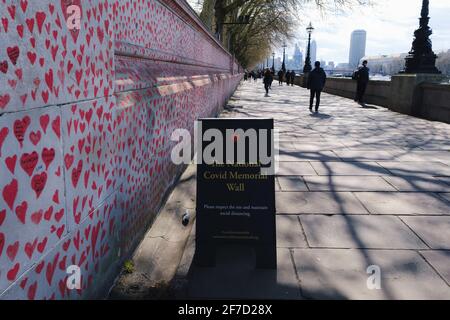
90, 92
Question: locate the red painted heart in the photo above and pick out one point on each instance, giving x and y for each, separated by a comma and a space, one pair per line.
39, 267
11, 251
12, 274
10, 193
51, 269
28, 162
76, 172
48, 214
40, 18
55, 197
38, 183
37, 217
4, 100
21, 212
11, 163
3, 133
32, 291
20, 128
30, 247
44, 120
35, 137
13, 54
59, 215
2, 242
48, 155
4, 66
56, 126
41, 245
2, 219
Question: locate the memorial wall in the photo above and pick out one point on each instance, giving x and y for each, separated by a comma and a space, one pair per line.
90, 92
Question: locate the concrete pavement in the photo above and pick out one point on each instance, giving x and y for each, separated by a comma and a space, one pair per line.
357, 187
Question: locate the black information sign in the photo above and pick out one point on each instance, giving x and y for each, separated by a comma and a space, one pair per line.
235, 198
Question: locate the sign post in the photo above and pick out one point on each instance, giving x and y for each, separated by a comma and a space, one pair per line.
236, 190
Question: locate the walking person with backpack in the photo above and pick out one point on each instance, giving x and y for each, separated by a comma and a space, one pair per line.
316, 83
362, 77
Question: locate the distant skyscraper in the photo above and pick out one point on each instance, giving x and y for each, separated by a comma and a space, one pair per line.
357, 47
298, 58
313, 52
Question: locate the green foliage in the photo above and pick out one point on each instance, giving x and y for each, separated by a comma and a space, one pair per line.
128, 267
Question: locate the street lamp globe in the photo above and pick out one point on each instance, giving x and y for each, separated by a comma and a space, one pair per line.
307, 68
310, 28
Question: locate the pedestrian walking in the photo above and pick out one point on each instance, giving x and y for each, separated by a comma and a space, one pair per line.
268, 78
272, 73
292, 78
362, 78
288, 77
254, 77
316, 83
280, 77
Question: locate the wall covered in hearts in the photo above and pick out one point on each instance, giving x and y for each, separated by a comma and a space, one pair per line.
90, 92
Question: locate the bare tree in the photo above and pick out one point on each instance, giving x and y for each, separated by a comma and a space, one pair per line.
271, 22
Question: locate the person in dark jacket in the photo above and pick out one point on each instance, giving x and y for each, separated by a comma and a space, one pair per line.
280, 77
288, 77
292, 77
268, 78
362, 78
316, 83
272, 73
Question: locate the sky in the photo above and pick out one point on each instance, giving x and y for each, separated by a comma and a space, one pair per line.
390, 26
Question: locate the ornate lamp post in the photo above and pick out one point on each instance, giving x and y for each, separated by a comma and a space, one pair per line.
283, 66
421, 58
307, 68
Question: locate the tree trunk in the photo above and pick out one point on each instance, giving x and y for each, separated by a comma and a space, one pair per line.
207, 14
219, 14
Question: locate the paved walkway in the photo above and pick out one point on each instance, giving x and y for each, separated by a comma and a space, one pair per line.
356, 188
